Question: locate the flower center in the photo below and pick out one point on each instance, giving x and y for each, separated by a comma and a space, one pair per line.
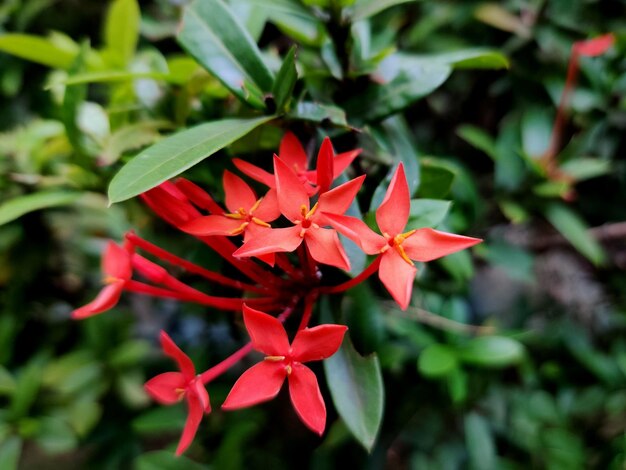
247, 217
109, 279
396, 241
306, 221
286, 359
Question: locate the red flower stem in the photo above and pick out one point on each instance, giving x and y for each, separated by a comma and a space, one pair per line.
222, 303
190, 267
221, 367
309, 302
367, 272
559, 121
282, 261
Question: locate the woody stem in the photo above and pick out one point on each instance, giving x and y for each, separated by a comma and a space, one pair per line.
367, 272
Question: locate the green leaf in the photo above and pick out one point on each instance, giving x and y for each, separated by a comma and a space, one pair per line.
536, 132
491, 351
574, 229
10, 451
407, 79
215, 38
285, 81
109, 76
7, 382
479, 139
427, 213
55, 435
475, 58
160, 420
37, 49
356, 386
585, 168
436, 361
294, 20
130, 137
177, 153
366, 8
20, 205
165, 460
28, 384
121, 30
321, 113
437, 179
480, 444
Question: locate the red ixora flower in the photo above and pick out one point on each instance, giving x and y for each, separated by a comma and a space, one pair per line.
291, 152
117, 271
263, 381
397, 249
171, 387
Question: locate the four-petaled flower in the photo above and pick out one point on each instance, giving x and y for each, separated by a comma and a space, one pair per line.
291, 152
264, 380
397, 248
117, 271
171, 387
323, 243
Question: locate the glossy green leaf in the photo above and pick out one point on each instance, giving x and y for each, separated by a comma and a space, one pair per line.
294, 20
366, 8
437, 179
574, 229
491, 351
285, 81
55, 436
479, 139
356, 386
160, 420
133, 136
216, 39
436, 361
476, 58
165, 460
28, 383
585, 168
106, 76
177, 153
37, 49
427, 212
7, 382
20, 205
320, 113
406, 79
10, 451
121, 30
480, 443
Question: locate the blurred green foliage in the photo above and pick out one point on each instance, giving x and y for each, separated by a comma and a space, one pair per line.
464, 93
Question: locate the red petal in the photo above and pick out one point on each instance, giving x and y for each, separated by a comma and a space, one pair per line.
170, 208
292, 152
198, 196
306, 398
184, 363
105, 300
197, 387
325, 158
212, 225
253, 230
256, 173
594, 47
357, 231
325, 247
427, 244
268, 208
166, 388
290, 191
238, 193
260, 383
151, 271
337, 200
315, 344
398, 276
343, 160
266, 332
274, 240
116, 262
393, 213
194, 417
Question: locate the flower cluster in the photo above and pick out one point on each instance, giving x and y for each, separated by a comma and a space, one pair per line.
302, 213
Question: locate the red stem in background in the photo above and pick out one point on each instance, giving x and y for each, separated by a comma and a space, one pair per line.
367, 272
283, 262
189, 266
309, 303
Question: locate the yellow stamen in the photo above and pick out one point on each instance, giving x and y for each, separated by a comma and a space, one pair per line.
274, 358
312, 211
239, 230
288, 369
256, 205
237, 215
402, 253
109, 279
260, 222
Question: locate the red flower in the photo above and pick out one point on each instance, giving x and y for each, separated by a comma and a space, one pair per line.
117, 271
329, 165
397, 249
293, 201
170, 387
263, 381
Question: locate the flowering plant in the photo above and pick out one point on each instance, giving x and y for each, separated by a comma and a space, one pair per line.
286, 241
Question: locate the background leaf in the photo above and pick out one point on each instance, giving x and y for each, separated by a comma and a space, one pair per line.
491, 351
177, 153
121, 31
356, 386
20, 205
